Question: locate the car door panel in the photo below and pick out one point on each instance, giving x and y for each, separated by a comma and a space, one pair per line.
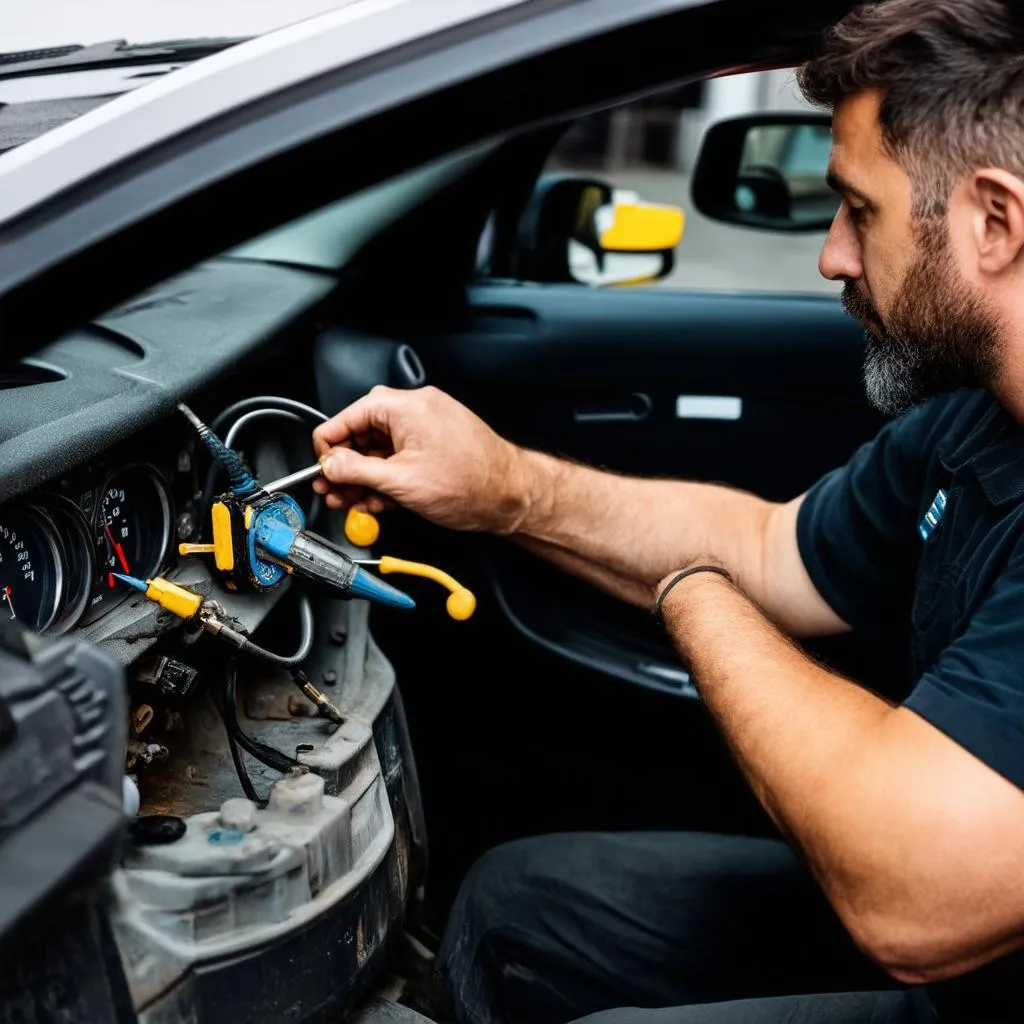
600, 375
759, 392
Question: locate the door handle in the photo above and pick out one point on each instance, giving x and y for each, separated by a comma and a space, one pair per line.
674, 678
634, 408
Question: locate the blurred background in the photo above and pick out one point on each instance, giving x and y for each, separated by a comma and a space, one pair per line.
647, 147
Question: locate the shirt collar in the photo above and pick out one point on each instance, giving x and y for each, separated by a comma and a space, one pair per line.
994, 451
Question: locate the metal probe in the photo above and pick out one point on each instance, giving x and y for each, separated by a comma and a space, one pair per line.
286, 482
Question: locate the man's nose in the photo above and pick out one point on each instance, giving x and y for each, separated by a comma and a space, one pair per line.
840, 256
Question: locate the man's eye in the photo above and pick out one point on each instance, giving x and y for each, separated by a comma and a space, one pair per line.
857, 214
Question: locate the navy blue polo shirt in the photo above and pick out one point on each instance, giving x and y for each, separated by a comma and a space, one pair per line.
922, 531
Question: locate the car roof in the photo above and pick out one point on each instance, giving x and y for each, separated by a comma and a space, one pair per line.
137, 121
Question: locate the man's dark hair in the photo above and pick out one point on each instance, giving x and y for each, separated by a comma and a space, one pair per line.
951, 77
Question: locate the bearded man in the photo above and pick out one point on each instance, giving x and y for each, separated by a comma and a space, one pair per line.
897, 893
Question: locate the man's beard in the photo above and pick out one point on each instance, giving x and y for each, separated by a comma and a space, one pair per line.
938, 336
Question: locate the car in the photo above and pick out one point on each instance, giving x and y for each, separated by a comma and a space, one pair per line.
43, 89
213, 263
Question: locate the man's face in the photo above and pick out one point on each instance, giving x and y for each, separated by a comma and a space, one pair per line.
928, 330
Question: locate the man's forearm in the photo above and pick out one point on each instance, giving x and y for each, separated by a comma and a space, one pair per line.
624, 534
641, 529
894, 818
622, 587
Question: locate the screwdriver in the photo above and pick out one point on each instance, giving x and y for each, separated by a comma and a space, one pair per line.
361, 528
301, 477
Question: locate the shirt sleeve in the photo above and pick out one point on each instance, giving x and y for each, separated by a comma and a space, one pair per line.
857, 528
975, 691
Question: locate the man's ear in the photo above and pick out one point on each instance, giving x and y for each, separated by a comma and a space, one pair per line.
998, 218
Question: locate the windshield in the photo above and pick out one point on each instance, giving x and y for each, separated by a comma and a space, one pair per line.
54, 23
61, 58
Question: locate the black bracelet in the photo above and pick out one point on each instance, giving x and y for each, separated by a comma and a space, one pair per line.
682, 576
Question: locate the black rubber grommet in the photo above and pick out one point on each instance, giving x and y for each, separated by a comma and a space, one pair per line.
156, 830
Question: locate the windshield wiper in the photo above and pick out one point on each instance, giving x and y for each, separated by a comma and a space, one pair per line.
111, 54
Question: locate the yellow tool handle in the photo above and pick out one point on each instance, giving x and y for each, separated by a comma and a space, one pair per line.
361, 528
461, 602
196, 549
173, 598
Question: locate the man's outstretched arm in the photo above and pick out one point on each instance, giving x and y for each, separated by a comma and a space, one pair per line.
424, 450
918, 844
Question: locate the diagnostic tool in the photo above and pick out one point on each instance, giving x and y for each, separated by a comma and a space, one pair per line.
260, 538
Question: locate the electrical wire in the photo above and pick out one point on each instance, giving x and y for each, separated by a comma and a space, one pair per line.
244, 779
247, 410
246, 646
258, 414
268, 402
219, 702
216, 469
263, 752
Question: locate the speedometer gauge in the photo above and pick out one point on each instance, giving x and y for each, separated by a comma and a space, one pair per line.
133, 524
31, 576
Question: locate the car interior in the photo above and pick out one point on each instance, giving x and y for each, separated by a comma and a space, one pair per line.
553, 707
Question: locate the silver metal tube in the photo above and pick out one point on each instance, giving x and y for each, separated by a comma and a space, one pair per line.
286, 482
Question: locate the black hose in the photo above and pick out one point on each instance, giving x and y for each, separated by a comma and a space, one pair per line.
219, 702
243, 776
246, 646
265, 754
270, 405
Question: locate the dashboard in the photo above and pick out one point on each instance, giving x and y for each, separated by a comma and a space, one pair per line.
60, 550
100, 475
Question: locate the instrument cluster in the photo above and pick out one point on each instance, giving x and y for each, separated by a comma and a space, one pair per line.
58, 551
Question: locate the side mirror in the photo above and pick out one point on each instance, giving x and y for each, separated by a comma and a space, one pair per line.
767, 172
581, 230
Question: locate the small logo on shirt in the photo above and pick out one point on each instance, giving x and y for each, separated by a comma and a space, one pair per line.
933, 516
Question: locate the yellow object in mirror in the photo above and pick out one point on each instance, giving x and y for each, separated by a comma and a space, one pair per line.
640, 227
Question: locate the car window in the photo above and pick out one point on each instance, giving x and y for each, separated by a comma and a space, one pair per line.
328, 238
648, 149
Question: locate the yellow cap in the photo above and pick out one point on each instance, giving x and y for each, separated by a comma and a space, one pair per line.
361, 528
461, 602
177, 600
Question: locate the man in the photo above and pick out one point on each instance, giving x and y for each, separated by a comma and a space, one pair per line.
904, 867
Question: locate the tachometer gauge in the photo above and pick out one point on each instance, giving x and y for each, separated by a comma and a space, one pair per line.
73, 534
133, 524
31, 576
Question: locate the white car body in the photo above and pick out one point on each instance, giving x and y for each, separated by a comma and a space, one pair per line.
144, 118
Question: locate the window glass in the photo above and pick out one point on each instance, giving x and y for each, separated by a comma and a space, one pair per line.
647, 150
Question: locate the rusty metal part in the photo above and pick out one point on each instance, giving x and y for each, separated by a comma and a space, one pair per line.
144, 753
142, 715
322, 702
297, 706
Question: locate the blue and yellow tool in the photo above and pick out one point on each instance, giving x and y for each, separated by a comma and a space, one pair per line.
260, 538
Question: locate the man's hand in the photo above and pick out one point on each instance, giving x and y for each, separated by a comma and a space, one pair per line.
425, 451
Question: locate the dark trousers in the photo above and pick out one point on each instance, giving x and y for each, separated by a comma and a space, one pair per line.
652, 928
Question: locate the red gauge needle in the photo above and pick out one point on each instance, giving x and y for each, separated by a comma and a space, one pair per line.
118, 550
10, 603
